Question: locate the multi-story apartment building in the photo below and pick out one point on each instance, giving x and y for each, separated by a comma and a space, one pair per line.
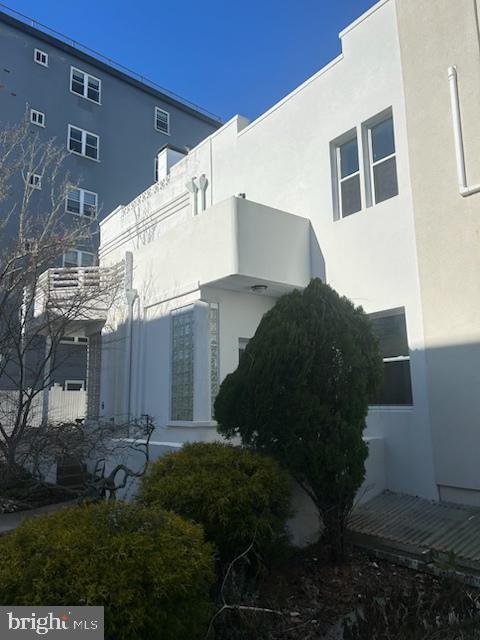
112, 121
367, 176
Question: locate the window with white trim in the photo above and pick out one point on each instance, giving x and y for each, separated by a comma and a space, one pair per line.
74, 340
391, 330
81, 202
83, 143
382, 182
74, 385
162, 120
35, 181
346, 170
40, 57
85, 85
78, 258
37, 117
182, 364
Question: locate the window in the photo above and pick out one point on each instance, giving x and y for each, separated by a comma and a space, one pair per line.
162, 120
35, 181
30, 245
74, 340
242, 345
37, 117
83, 142
347, 172
82, 202
391, 330
214, 354
76, 258
382, 161
182, 365
85, 85
41, 57
74, 385
155, 169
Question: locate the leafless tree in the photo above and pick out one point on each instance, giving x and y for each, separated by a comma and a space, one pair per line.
39, 305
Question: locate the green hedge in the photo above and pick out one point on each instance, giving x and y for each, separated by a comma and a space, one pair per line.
237, 495
151, 570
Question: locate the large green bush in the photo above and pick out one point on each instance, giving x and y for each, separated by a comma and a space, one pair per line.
151, 570
236, 494
301, 393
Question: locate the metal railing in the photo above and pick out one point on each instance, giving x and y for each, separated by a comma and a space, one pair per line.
106, 60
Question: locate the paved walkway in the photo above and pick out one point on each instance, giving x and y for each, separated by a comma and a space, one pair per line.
422, 529
10, 521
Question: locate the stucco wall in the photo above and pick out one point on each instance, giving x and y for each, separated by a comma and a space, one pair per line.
435, 34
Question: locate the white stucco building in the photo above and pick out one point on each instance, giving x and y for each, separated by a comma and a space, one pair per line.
362, 176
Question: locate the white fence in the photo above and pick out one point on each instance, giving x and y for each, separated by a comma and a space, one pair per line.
60, 406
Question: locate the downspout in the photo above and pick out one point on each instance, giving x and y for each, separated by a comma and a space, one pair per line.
131, 295
463, 188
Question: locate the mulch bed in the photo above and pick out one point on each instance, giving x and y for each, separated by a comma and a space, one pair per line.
314, 595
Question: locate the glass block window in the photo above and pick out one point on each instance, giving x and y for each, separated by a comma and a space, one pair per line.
391, 331
214, 355
182, 365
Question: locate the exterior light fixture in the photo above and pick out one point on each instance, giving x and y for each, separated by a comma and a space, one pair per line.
259, 288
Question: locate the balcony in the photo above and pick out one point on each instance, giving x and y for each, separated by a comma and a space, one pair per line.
79, 296
235, 244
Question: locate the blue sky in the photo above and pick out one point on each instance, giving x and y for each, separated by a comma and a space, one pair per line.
229, 57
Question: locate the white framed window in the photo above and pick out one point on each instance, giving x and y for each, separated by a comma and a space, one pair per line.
347, 188
35, 181
83, 143
81, 202
182, 361
381, 183
74, 385
162, 121
242, 345
30, 245
40, 57
391, 330
74, 340
85, 85
77, 258
37, 117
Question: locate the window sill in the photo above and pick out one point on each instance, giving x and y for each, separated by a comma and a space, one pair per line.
82, 155
191, 424
80, 95
390, 407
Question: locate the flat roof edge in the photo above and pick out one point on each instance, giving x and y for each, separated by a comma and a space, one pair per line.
77, 52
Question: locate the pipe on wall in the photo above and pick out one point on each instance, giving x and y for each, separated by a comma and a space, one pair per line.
463, 187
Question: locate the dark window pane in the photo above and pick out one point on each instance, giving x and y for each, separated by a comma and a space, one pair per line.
77, 84
350, 195
385, 180
383, 142
348, 158
397, 386
391, 332
93, 90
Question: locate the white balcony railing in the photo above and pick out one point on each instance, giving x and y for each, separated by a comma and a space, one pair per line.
86, 292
